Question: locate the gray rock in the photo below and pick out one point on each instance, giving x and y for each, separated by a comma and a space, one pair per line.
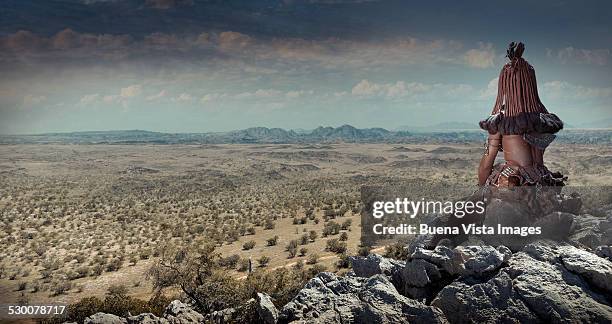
482, 260
493, 301
442, 256
266, 309
507, 213
554, 294
103, 318
556, 226
592, 231
595, 270
604, 251
222, 316
420, 273
542, 250
146, 318
179, 313
328, 298
375, 264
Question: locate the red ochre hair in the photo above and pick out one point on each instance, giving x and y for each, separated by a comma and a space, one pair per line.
518, 109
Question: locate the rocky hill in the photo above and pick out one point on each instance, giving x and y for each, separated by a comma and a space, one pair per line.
345, 133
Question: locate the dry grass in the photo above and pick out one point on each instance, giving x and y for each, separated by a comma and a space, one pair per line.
75, 219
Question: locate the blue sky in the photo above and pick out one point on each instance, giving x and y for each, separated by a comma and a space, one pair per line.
198, 66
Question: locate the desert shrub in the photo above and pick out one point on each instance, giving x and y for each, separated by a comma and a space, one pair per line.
273, 240
281, 284
292, 248
97, 270
313, 259
60, 287
114, 265
313, 235
343, 261
250, 230
346, 224
243, 265
397, 250
22, 286
299, 265
334, 245
315, 269
364, 251
269, 224
343, 236
331, 228
145, 254
82, 271
304, 239
115, 302
229, 262
263, 261
248, 245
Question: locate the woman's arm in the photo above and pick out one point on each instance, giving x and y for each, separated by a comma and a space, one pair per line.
488, 158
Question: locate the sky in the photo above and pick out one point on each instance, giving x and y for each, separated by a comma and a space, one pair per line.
219, 65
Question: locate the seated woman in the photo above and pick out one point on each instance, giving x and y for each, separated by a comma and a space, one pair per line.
521, 127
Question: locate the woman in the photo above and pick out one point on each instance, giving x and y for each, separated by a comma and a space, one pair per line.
521, 127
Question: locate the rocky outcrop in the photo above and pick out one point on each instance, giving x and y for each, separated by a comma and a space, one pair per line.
176, 313
266, 309
375, 264
592, 231
103, 318
179, 313
544, 283
328, 298
146, 318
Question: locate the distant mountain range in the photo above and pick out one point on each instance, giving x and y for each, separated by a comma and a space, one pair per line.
442, 127
345, 133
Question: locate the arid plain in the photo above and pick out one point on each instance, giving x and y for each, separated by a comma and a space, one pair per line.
75, 219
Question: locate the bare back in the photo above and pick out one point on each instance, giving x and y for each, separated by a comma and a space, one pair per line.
520, 153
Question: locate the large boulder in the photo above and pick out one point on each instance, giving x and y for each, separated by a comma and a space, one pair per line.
595, 270
592, 231
328, 298
375, 264
146, 318
428, 271
266, 309
491, 301
103, 318
179, 313
604, 251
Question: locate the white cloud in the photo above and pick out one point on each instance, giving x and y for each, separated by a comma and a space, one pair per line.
89, 98
212, 97
30, 99
491, 90
110, 98
481, 58
581, 55
260, 93
566, 90
398, 89
130, 91
157, 96
410, 90
298, 93
184, 97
